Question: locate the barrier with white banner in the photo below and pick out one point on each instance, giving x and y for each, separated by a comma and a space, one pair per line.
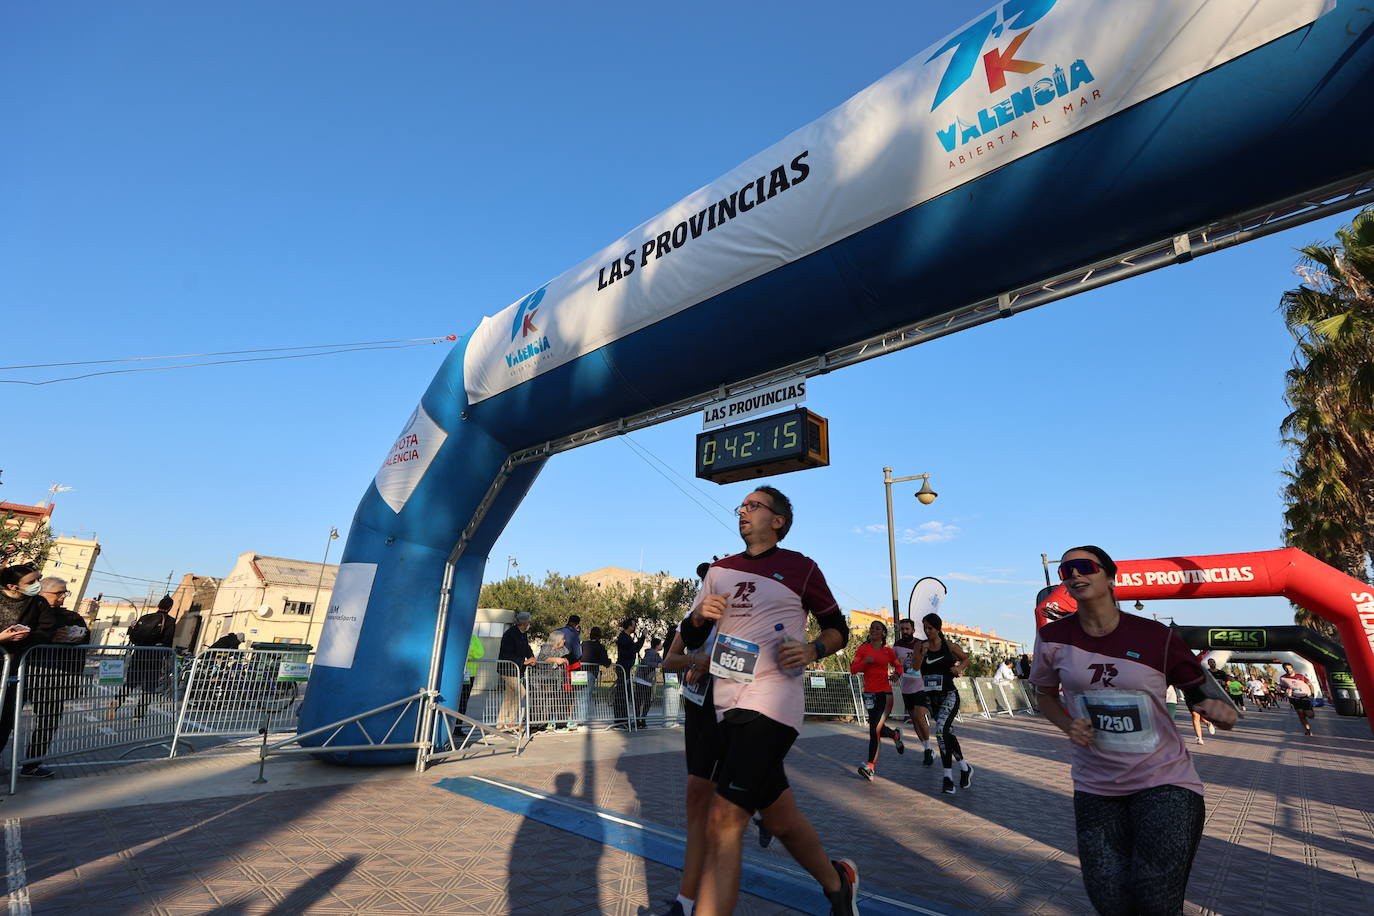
241, 692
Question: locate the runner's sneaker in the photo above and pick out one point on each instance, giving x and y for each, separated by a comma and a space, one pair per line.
765, 836
929, 758
866, 771
966, 777
845, 902
36, 771
897, 741
675, 909
1211, 729
948, 787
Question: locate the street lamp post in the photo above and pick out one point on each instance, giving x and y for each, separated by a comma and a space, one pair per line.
315, 605
511, 561
926, 496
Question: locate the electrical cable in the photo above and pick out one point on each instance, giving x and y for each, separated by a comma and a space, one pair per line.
134, 359
635, 447
221, 362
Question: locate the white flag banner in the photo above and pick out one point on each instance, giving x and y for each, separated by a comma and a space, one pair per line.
1015, 80
926, 597
408, 459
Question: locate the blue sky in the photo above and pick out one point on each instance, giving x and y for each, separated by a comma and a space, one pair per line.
186, 178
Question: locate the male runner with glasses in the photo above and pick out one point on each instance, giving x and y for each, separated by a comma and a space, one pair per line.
757, 601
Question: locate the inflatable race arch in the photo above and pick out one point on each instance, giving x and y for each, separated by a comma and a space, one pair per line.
1345, 601
1046, 148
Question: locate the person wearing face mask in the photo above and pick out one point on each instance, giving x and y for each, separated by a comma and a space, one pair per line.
26, 619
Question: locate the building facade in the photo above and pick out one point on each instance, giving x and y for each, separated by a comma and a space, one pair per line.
269, 599
73, 559
971, 639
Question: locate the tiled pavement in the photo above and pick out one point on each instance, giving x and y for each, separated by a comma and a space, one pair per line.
1289, 829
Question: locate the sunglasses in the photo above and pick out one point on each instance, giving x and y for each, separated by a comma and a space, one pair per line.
1082, 567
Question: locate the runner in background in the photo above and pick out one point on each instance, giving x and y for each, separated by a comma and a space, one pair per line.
872, 660
1137, 798
1258, 692
1299, 691
910, 652
943, 662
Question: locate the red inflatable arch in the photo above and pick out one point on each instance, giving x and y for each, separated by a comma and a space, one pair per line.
1301, 578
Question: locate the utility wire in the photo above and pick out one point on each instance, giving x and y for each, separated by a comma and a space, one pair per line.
635, 447
134, 359
221, 362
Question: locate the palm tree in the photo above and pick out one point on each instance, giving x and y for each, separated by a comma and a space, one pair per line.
1330, 490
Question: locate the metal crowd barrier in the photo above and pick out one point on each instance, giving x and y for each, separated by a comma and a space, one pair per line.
986, 697
242, 692
74, 700
591, 696
834, 694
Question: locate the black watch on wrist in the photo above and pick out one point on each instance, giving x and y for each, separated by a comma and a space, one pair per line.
820, 648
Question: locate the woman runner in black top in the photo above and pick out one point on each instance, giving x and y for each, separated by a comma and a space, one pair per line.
944, 662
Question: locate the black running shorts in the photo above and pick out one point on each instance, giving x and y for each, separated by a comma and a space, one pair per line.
701, 739
912, 700
752, 750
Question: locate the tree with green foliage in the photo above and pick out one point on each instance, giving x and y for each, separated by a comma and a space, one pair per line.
18, 546
653, 606
1330, 390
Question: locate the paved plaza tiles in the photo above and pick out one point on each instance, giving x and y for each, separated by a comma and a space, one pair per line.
584, 824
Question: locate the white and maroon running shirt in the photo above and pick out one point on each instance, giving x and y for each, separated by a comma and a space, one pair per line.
1297, 685
776, 587
1118, 682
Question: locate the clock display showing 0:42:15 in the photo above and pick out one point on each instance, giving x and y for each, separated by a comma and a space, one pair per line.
751, 442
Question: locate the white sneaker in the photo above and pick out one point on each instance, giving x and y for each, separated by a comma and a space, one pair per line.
1199, 740
1211, 729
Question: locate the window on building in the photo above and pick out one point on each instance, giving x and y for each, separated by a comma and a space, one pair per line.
283, 639
300, 608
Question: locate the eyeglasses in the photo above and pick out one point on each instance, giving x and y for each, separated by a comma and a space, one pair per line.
752, 505
1082, 567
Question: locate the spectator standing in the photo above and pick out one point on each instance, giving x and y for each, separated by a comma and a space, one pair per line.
594, 661
515, 648
626, 651
646, 675
53, 676
476, 652
145, 669
26, 619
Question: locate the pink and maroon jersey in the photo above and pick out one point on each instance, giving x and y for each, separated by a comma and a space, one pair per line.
777, 586
1118, 681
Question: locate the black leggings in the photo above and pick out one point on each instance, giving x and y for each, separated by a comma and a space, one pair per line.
944, 706
877, 715
1136, 850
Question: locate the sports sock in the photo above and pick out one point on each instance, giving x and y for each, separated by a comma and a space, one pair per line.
926, 743
949, 774
963, 764
687, 905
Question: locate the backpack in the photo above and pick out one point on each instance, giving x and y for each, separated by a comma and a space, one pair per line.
148, 630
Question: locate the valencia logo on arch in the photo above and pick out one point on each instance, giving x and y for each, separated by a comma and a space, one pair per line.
524, 328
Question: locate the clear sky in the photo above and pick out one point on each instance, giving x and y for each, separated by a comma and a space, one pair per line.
186, 178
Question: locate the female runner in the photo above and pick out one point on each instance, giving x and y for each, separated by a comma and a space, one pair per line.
873, 659
1137, 799
944, 662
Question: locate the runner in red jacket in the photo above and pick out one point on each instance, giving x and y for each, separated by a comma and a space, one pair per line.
874, 659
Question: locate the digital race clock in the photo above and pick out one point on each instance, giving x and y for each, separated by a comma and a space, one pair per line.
784, 442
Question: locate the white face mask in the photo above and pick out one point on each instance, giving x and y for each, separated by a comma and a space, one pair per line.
33, 589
